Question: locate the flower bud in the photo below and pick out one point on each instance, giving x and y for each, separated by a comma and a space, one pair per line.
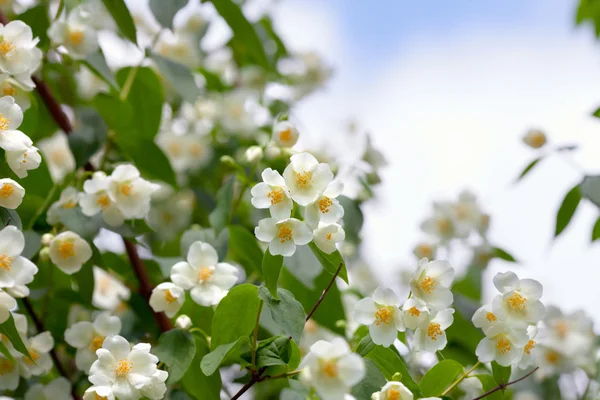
535, 138
285, 134
45, 254
253, 154
47, 239
272, 152
183, 322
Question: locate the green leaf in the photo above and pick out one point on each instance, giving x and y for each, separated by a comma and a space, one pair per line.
567, 209
276, 352
219, 217
365, 346
501, 374
88, 136
85, 278
5, 352
196, 384
176, 348
37, 18
590, 189
529, 167
164, 11
596, 230
179, 76
8, 329
488, 383
76, 221
96, 63
223, 353
243, 31
33, 243
373, 381
244, 248
122, 17
9, 217
331, 262
271, 268
440, 377
287, 312
503, 255
235, 316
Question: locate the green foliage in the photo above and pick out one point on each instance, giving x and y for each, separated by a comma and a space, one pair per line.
164, 11
501, 374
176, 348
488, 383
235, 316
8, 329
286, 311
440, 377
373, 381
97, 64
596, 230
177, 75
195, 382
567, 209
229, 352
529, 168
37, 18
244, 248
220, 216
271, 268
331, 262
9, 217
122, 17
503, 255
88, 136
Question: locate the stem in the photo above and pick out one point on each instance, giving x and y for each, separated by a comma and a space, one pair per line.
60, 9
503, 386
40, 328
460, 379
128, 83
284, 375
255, 337
324, 292
245, 388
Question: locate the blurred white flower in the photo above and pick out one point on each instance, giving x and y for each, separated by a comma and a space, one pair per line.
327, 236
185, 152
68, 251
253, 154
11, 193
15, 271
425, 250
99, 393
431, 336
87, 337
272, 194
518, 301
75, 33
11, 115
179, 47
19, 55
306, 178
535, 138
89, 84
68, 199
208, 279
58, 155
130, 192
441, 224
332, 369
20, 154
393, 391
471, 388
431, 283
95, 199
10, 373
39, 348
234, 112
58, 389
168, 298
326, 208
381, 313
7, 303
285, 134
109, 292
18, 91
170, 215
283, 236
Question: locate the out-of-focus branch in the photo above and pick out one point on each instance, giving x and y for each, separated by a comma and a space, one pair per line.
504, 385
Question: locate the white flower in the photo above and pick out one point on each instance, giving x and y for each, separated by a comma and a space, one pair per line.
530, 350
18, 54
89, 84
332, 369
11, 193
68, 251
253, 154
306, 179
10, 373
68, 199
326, 208
284, 235
11, 115
95, 199
535, 138
87, 337
382, 314
503, 343
21, 156
519, 299
156, 389
58, 389
431, 283
75, 33
10, 87
126, 371
183, 322
441, 225
208, 279
99, 392
431, 337
169, 216
39, 347
168, 298
425, 250
393, 391
7, 303
466, 213
416, 313
235, 114
15, 271
485, 319
109, 292
272, 194
58, 155
285, 134
185, 152
180, 48
471, 387
130, 192
327, 236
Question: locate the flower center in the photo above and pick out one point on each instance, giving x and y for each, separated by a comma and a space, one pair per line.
103, 201
285, 136
196, 150
3, 123
66, 249
330, 368
96, 343
123, 367
175, 148
98, 397
393, 394
428, 285
414, 311
284, 233
5, 262
204, 274
6, 366
276, 195
9, 91
502, 344
552, 357
169, 298
69, 204
562, 329
517, 302
303, 179
425, 250
76, 37
538, 140
34, 357
443, 225
329, 236
383, 315
491, 317
324, 204
125, 189
529, 346
6, 190
434, 330
5, 47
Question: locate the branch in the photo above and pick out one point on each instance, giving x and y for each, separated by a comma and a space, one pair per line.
324, 292
503, 386
40, 328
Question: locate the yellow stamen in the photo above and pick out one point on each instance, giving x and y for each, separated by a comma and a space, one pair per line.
169, 298
425, 250
69, 204
123, 367
96, 343
276, 195
98, 397
414, 311
329, 236
428, 285
175, 149
196, 150
491, 317
561, 329
552, 357
6, 46
66, 249
7, 190
125, 189
325, 204
383, 315
204, 274
393, 394
76, 37
303, 179
6, 366
330, 368
103, 201
5, 262
517, 302
285, 136
3, 123
434, 330
9, 91
529, 346
444, 225
502, 344
284, 233
34, 357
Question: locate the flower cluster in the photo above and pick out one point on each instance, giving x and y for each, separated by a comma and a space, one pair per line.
510, 322
307, 183
207, 279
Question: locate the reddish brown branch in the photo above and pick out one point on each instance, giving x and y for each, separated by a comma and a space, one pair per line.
325, 292
503, 386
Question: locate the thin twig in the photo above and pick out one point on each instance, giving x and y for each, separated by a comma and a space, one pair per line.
460, 379
325, 292
505, 385
255, 337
